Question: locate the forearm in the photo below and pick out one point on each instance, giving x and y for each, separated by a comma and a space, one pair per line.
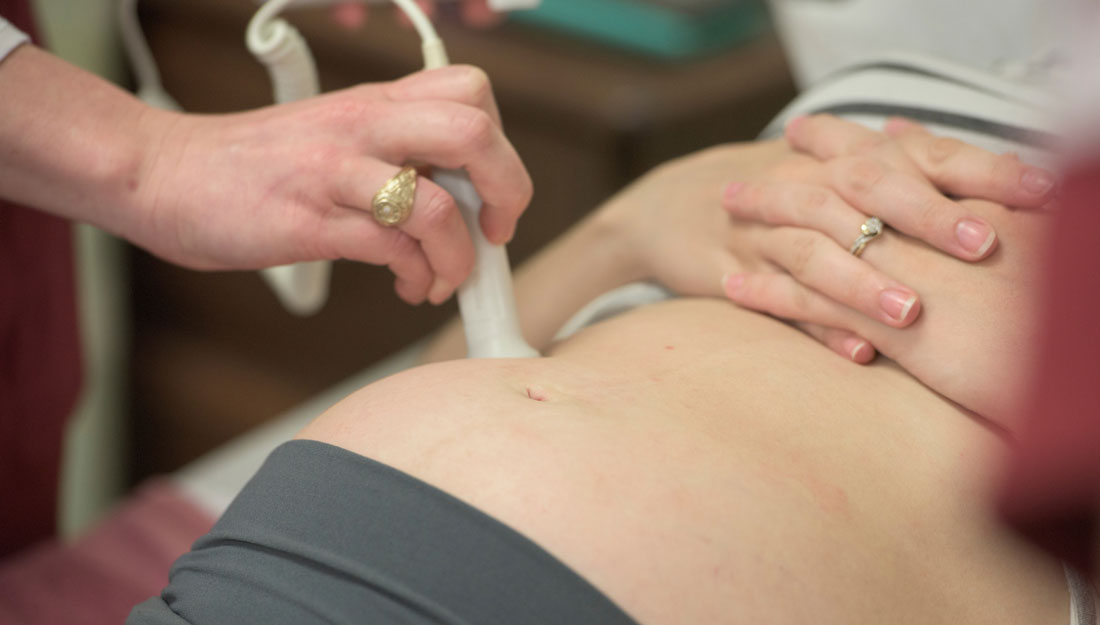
70, 143
590, 259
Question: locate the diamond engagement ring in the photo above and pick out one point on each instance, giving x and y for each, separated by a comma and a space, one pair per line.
869, 230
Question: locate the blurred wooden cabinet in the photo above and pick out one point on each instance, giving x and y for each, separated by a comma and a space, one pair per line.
215, 354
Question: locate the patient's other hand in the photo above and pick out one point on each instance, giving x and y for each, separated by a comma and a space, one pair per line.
982, 324
853, 174
672, 220
953, 167
672, 223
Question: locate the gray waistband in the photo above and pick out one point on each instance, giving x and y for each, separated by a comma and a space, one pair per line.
322, 535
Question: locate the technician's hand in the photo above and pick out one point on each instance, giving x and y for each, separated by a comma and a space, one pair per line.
474, 12
295, 182
861, 173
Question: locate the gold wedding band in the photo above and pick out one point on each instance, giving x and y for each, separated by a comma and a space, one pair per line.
870, 229
393, 203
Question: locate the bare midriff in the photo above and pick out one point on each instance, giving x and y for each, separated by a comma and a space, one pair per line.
701, 464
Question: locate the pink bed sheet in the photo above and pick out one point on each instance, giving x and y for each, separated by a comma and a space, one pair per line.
99, 577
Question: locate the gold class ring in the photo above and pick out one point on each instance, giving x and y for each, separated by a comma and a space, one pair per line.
393, 203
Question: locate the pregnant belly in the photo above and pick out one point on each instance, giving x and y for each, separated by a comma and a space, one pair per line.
700, 464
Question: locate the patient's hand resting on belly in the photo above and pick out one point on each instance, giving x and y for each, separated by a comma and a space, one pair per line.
977, 331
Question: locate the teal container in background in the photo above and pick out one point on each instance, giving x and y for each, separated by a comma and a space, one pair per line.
664, 28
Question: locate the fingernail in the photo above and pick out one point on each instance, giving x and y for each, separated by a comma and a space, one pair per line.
441, 290
855, 348
976, 237
350, 16
509, 235
732, 189
897, 125
897, 304
1037, 181
401, 286
732, 282
497, 235
792, 126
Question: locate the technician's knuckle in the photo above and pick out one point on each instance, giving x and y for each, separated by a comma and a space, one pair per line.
399, 245
438, 208
322, 158
474, 129
349, 108
475, 84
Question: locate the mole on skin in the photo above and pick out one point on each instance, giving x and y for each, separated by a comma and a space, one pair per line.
535, 393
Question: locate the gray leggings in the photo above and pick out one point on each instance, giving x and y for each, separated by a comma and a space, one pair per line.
323, 535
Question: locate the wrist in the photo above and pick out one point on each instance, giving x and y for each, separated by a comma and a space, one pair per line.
616, 249
115, 182
71, 138
591, 259
158, 144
